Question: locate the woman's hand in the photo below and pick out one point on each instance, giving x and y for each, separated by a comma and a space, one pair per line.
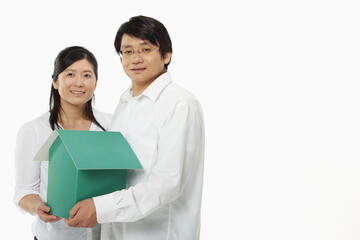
33, 204
42, 210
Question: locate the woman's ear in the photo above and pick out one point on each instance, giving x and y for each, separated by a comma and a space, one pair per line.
55, 84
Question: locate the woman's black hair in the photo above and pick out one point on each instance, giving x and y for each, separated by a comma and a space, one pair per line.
63, 60
146, 28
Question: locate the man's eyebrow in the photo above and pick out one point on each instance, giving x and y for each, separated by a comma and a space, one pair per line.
130, 46
145, 43
126, 46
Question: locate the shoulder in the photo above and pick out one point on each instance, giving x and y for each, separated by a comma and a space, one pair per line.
180, 92
175, 103
36, 130
103, 118
38, 124
175, 95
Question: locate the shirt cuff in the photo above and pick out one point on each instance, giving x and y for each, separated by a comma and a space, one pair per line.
105, 208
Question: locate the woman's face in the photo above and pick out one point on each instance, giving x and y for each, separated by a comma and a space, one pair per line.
76, 84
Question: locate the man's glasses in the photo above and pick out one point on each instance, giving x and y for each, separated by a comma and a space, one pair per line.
143, 51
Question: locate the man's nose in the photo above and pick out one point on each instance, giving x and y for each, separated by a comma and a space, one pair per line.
137, 57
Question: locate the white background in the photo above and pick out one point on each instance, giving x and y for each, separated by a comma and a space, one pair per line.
279, 84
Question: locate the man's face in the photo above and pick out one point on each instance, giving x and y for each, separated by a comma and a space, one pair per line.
142, 61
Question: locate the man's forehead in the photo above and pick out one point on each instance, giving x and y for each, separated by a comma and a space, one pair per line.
131, 40
128, 40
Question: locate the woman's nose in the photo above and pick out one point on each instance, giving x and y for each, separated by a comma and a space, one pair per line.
79, 81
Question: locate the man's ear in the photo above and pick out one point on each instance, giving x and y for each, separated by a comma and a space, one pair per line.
167, 57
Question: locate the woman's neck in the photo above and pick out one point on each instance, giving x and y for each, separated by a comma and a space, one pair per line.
73, 118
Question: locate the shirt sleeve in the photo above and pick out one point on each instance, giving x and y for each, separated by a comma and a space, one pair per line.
27, 172
179, 139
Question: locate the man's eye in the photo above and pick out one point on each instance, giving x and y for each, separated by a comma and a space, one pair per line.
127, 52
146, 50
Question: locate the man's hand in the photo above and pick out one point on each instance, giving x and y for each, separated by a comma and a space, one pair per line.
42, 210
83, 214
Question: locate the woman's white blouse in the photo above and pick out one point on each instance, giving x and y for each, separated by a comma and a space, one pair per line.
32, 177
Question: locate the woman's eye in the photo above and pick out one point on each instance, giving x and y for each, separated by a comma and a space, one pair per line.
87, 75
70, 74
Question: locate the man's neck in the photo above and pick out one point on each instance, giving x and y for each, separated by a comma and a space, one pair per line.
139, 88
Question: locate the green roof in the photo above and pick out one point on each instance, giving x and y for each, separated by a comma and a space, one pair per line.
92, 150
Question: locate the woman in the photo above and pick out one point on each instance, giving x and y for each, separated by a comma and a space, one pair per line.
73, 86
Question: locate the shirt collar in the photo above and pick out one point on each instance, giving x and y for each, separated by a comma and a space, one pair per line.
152, 91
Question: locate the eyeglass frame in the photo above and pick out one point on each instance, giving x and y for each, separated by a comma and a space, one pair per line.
138, 51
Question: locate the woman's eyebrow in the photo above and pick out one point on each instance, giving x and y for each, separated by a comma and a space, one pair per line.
74, 70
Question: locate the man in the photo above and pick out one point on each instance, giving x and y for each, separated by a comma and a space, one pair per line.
163, 123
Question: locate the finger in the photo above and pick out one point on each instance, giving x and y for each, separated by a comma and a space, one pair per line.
55, 220
74, 211
44, 208
75, 221
47, 218
41, 206
43, 213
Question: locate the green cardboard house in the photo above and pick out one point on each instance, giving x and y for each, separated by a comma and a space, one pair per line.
84, 164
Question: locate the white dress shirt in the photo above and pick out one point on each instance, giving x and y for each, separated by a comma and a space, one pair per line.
32, 177
164, 126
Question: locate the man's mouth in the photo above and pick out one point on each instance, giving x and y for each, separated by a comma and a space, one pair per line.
137, 70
